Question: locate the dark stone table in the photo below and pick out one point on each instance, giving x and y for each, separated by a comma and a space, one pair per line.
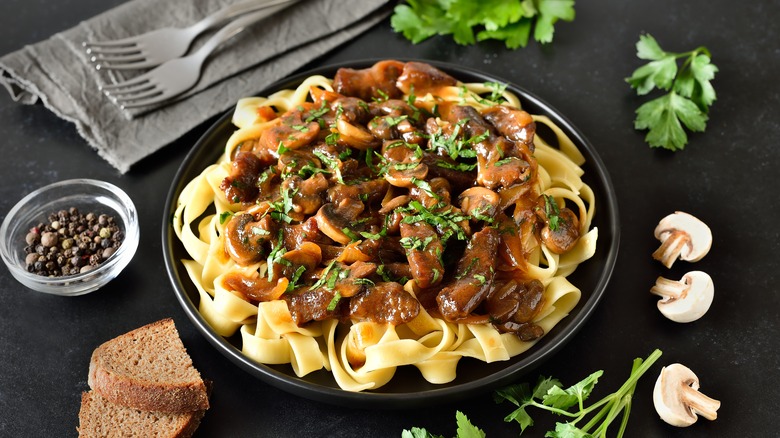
725, 176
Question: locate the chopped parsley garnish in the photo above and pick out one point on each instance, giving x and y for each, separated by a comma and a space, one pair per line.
552, 212
310, 170
281, 208
468, 269
363, 282
351, 234
276, 255
455, 146
414, 243
381, 270
293, 282
447, 221
334, 302
392, 121
479, 213
316, 115
383, 97
224, 216
323, 276
426, 187
460, 167
405, 166
496, 91
331, 163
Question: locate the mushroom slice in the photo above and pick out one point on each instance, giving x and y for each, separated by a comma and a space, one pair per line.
685, 300
355, 135
480, 203
405, 174
244, 237
682, 236
677, 398
333, 219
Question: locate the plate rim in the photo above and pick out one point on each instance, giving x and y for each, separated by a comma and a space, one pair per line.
524, 362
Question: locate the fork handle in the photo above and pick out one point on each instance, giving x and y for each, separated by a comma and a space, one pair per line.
236, 10
236, 26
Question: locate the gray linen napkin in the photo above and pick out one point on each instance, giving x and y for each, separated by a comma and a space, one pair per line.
57, 73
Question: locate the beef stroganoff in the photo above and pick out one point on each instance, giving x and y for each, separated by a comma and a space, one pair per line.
388, 216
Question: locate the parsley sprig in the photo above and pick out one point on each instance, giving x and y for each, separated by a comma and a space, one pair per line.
510, 21
549, 394
689, 93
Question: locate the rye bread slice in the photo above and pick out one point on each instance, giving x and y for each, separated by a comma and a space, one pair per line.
99, 418
148, 369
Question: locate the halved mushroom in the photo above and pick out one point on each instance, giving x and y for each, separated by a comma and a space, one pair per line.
307, 256
355, 135
333, 219
479, 203
244, 237
685, 300
308, 194
682, 236
561, 226
677, 398
405, 174
392, 204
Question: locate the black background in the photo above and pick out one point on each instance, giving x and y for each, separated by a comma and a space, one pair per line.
726, 177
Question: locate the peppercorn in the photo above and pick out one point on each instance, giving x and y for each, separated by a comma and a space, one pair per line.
71, 243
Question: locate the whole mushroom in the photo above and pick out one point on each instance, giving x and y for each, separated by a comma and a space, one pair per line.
677, 398
685, 300
682, 236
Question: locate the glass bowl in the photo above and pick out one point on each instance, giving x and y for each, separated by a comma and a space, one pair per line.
87, 196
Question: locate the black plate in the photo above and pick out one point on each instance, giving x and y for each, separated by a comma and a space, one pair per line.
407, 388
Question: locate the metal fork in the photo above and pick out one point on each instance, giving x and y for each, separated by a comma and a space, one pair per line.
153, 48
178, 75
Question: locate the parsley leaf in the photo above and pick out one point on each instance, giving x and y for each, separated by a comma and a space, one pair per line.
551, 11
465, 428
662, 116
418, 432
689, 93
509, 21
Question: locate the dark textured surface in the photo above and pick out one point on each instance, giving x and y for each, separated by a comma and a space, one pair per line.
726, 177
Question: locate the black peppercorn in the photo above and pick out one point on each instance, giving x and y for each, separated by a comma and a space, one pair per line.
71, 243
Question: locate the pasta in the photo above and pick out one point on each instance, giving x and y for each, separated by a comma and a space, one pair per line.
388, 217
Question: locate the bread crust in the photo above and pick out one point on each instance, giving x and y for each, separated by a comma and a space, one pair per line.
101, 418
107, 379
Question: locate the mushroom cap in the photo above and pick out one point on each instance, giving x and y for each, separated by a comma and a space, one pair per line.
699, 235
479, 201
676, 397
688, 300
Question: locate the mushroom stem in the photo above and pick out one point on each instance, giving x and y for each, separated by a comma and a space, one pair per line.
669, 290
671, 247
699, 403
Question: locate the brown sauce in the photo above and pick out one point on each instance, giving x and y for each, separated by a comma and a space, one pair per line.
374, 181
